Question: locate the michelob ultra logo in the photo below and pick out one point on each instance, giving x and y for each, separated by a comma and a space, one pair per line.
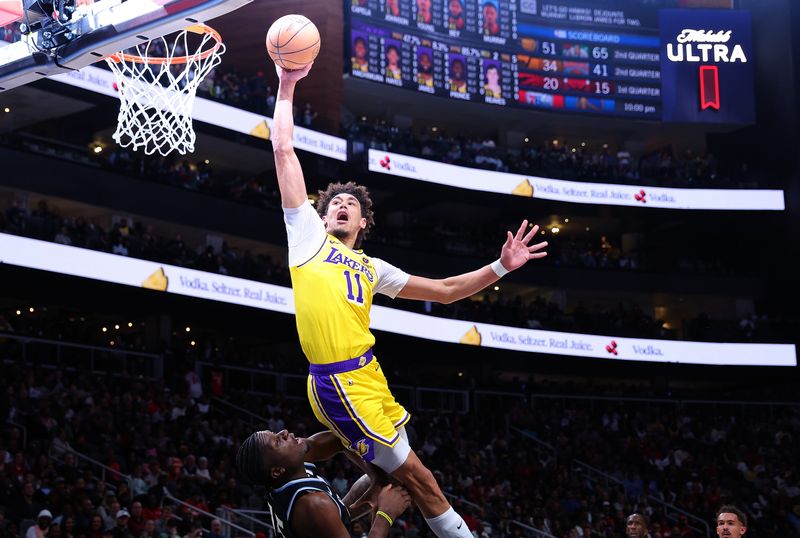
705, 46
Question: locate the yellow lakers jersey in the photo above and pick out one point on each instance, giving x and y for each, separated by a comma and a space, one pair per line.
333, 297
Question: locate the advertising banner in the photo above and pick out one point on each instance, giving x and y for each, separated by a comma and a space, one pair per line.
573, 191
46, 256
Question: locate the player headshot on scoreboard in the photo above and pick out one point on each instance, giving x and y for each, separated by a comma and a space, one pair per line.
393, 7
458, 73
393, 69
425, 66
491, 25
424, 14
455, 15
359, 59
491, 79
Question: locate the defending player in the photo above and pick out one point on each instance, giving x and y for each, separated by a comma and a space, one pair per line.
333, 288
301, 502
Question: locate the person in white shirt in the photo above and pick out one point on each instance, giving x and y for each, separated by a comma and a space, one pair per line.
42, 526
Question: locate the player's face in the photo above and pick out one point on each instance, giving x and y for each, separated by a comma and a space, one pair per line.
458, 70
343, 218
392, 7
360, 50
455, 8
425, 62
424, 7
392, 57
492, 76
489, 15
282, 449
729, 526
635, 527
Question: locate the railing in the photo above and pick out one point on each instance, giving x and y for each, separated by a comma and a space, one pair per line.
293, 386
669, 509
527, 530
252, 417
73, 357
596, 475
227, 525
101, 467
246, 518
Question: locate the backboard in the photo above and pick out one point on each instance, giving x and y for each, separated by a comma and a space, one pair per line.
96, 31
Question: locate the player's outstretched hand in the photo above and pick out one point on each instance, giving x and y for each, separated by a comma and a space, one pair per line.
292, 75
516, 251
394, 500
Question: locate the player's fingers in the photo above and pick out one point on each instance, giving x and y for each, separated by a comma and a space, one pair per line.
537, 255
521, 229
537, 246
509, 239
530, 234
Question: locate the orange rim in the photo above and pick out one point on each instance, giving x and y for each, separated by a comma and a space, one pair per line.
122, 57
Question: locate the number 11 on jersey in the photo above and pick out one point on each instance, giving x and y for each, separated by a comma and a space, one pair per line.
357, 277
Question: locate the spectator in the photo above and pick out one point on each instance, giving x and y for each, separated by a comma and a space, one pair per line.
42, 526
122, 530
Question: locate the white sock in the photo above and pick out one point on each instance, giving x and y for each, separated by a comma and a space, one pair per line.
449, 525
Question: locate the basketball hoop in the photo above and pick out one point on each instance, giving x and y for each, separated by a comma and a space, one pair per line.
157, 83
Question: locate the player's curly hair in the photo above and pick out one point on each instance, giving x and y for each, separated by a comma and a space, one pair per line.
361, 194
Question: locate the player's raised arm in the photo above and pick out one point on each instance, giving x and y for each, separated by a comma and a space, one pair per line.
514, 254
290, 176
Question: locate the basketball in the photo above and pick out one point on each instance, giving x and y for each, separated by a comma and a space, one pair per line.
293, 42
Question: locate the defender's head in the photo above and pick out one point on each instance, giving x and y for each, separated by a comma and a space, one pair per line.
346, 210
271, 458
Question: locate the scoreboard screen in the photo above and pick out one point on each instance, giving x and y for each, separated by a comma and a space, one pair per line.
580, 56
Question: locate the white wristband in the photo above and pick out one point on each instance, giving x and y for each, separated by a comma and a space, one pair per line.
498, 268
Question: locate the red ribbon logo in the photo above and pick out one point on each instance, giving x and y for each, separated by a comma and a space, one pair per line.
709, 87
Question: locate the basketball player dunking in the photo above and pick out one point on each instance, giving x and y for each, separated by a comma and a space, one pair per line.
334, 283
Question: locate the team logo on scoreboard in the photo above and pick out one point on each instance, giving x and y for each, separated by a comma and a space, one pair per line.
706, 46
612, 348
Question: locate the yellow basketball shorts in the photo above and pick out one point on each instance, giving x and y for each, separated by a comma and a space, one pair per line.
353, 399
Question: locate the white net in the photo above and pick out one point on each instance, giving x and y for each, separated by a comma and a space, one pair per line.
157, 82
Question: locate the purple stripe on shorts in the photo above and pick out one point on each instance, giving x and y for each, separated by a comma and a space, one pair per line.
341, 366
334, 409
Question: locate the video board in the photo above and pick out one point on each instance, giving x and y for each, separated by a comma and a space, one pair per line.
561, 55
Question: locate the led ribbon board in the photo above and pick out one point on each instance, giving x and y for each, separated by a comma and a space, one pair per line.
42, 255
574, 191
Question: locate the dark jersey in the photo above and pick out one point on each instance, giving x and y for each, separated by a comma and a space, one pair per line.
281, 501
